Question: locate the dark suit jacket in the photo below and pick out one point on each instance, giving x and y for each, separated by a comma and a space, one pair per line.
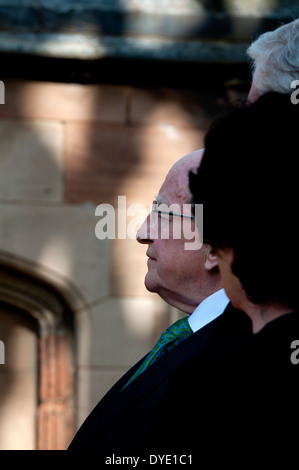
121, 420
237, 399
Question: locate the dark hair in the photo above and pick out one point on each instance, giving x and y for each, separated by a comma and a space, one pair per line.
248, 185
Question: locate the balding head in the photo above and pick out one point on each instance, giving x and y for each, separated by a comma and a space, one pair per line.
177, 180
182, 278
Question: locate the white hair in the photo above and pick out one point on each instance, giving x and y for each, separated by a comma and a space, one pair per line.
275, 59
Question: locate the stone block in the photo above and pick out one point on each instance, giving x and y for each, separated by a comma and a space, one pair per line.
19, 337
166, 106
128, 268
65, 101
103, 162
61, 239
31, 161
125, 329
18, 411
18, 381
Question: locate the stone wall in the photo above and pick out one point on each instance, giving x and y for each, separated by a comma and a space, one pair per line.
101, 98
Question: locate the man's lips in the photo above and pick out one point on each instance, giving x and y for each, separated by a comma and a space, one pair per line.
150, 257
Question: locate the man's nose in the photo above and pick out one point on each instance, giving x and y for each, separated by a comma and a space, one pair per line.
145, 232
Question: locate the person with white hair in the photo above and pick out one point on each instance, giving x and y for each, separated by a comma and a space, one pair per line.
274, 59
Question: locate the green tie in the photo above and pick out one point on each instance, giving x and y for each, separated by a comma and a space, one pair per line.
176, 333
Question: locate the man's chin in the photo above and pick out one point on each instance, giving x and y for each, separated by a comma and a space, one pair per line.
150, 284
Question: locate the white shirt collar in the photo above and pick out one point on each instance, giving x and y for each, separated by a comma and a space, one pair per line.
208, 310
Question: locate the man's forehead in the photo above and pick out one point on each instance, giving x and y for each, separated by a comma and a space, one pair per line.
175, 188
174, 193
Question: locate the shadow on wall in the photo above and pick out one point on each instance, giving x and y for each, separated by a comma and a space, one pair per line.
18, 380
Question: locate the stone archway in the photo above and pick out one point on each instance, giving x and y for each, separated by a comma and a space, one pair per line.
49, 300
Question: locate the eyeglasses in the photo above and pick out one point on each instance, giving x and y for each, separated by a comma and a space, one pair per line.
164, 223
159, 211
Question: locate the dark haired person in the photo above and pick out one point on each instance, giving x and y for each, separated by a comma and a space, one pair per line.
250, 214
250, 219
246, 390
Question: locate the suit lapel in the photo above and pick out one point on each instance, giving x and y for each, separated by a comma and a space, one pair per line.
225, 327
117, 400
230, 325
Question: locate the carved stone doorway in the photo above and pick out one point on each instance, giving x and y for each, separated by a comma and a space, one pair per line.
37, 379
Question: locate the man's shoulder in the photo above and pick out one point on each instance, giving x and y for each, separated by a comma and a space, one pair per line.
216, 340
230, 325
236, 317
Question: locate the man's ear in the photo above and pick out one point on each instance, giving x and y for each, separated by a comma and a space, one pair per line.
211, 259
